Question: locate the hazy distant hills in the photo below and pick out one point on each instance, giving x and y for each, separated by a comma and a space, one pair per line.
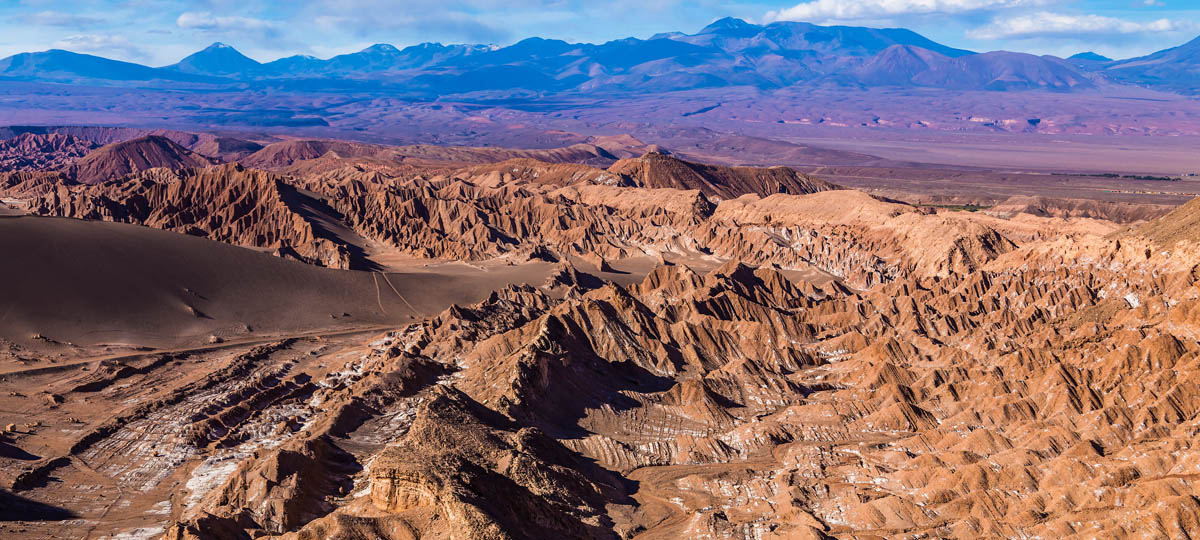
728, 52
217, 59
906, 65
57, 65
784, 37
1090, 56
1176, 69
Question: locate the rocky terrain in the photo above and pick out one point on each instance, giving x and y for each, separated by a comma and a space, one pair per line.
227, 203
481, 212
121, 158
656, 170
638, 346
29, 151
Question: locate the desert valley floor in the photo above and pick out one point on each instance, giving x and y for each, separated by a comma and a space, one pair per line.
207, 337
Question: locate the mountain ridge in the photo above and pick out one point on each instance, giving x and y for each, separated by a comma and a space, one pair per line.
726, 53
1176, 69
217, 59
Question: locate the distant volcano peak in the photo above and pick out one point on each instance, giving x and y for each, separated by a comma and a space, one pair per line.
1091, 56
731, 25
216, 59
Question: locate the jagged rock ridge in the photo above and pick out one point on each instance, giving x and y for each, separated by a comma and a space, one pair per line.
34, 151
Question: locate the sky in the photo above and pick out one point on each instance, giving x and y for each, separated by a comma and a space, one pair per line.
164, 31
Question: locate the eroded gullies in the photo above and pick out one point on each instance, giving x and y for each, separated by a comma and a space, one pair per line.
714, 397
645, 363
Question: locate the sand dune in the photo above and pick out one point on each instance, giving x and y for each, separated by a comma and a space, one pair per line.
95, 282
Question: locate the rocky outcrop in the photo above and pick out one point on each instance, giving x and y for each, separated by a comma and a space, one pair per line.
524, 206
1180, 225
470, 473
1078, 208
300, 155
525, 170
119, 159
28, 185
659, 170
845, 233
227, 203
41, 151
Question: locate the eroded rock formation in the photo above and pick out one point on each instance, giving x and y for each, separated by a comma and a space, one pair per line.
659, 170
819, 365
226, 203
41, 151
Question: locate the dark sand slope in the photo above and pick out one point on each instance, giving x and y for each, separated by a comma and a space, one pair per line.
92, 283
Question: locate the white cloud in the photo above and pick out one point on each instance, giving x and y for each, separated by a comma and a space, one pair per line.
1045, 24
823, 10
58, 18
428, 24
109, 45
206, 22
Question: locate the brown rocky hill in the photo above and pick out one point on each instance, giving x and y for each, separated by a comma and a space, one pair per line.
285, 153
28, 185
223, 148
651, 170
526, 170
226, 203
1076, 208
861, 239
297, 155
122, 158
845, 234
33, 151
1180, 225
622, 146
659, 170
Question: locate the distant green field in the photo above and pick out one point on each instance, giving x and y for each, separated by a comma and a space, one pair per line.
959, 207
1126, 176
